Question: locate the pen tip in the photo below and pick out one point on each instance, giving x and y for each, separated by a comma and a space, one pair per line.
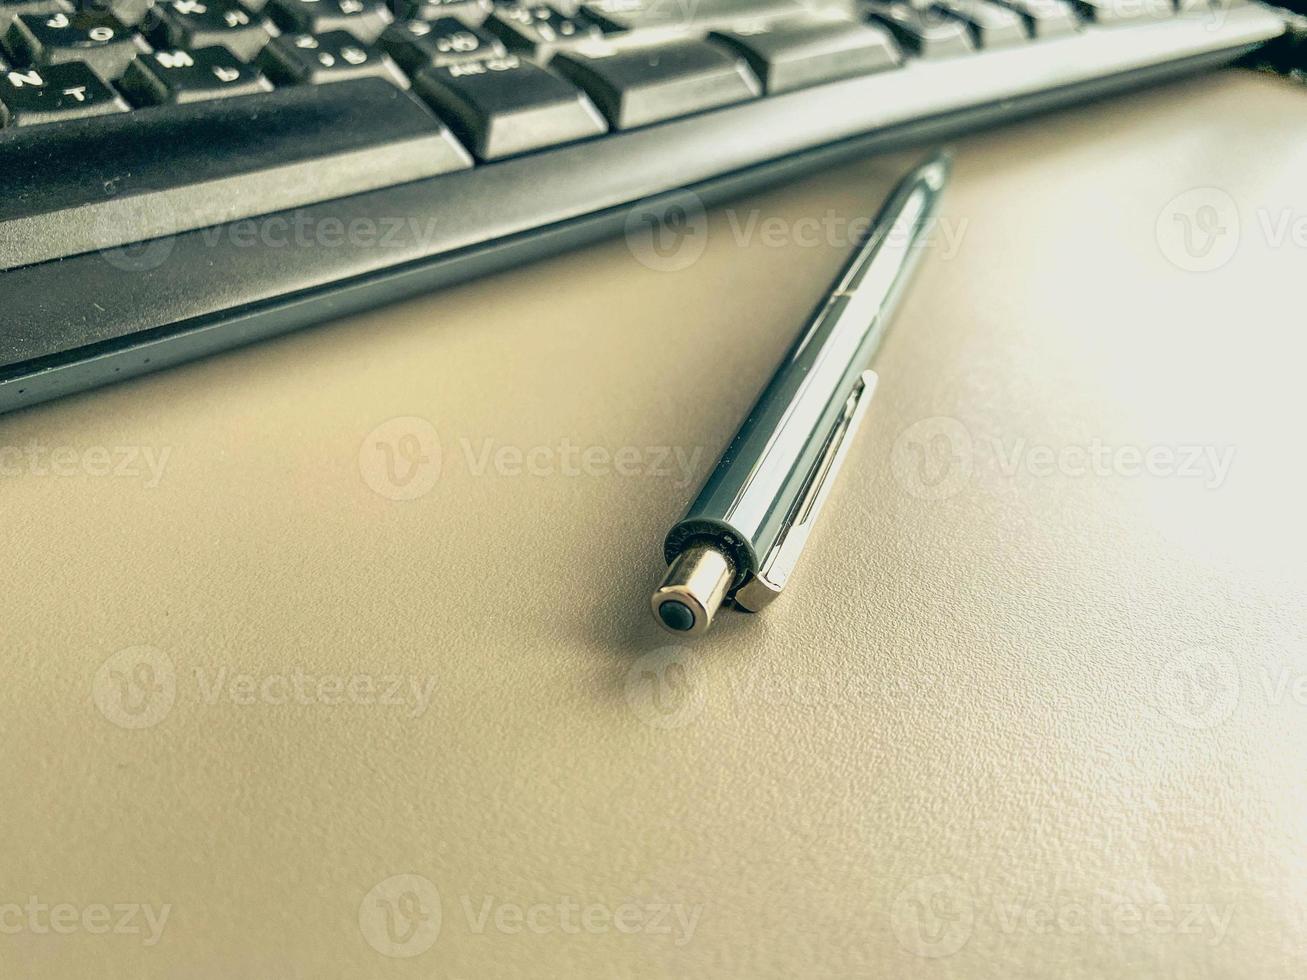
936, 170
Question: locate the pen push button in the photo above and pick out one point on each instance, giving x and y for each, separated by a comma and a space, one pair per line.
693, 590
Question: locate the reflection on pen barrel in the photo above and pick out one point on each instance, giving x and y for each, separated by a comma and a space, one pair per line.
740, 539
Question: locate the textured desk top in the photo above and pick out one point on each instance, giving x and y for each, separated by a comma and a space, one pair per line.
332, 658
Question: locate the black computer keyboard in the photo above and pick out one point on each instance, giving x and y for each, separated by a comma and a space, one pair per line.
184, 176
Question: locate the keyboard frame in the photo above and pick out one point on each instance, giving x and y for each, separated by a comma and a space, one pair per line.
503, 214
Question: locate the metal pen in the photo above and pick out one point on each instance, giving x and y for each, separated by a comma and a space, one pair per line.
740, 539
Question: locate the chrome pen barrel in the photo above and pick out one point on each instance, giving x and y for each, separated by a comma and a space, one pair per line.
785, 444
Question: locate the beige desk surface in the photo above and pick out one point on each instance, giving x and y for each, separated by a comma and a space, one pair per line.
1029, 710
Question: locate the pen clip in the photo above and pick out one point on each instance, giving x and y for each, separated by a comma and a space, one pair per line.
775, 568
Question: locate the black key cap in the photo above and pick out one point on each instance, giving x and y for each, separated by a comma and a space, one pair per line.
991, 26
1046, 18
802, 51
49, 94
638, 86
365, 19
418, 43
928, 33
1124, 11
179, 76
504, 106
93, 37
540, 31
9, 9
634, 15
470, 12
97, 183
202, 23
130, 12
331, 57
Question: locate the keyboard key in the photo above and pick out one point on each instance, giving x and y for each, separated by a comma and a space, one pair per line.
95, 38
130, 12
638, 86
1046, 18
636, 15
365, 19
9, 9
98, 183
504, 106
470, 12
57, 92
177, 76
331, 57
1124, 11
201, 23
799, 52
447, 41
927, 33
540, 31
991, 26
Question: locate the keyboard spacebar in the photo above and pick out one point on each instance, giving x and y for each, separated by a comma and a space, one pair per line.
110, 180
